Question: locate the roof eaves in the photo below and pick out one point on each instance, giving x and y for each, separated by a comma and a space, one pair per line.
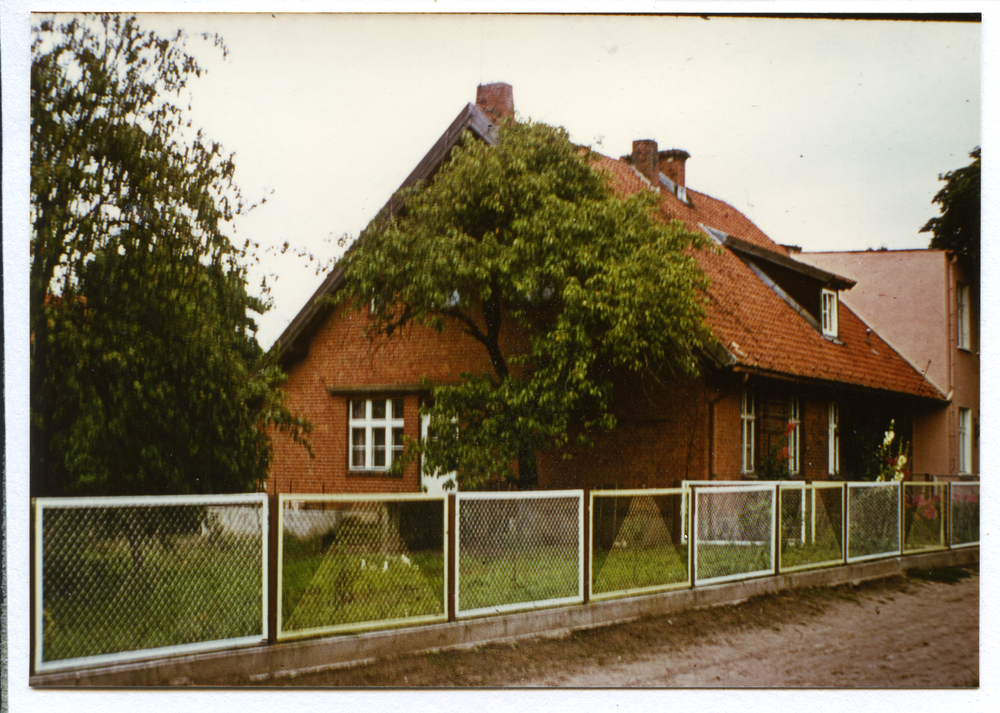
471, 117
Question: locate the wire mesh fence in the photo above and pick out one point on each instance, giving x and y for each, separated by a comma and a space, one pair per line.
964, 514
360, 562
638, 543
733, 532
812, 526
124, 578
925, 516
518, 551
872, 521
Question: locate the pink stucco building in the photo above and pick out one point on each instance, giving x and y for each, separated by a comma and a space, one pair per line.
921, 303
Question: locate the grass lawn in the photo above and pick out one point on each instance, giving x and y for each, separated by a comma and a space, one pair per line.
324, 587
101, 600
533, 574
622, 569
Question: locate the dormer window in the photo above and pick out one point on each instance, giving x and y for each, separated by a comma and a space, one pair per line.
829, 313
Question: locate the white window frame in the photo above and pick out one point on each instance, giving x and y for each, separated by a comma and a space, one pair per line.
748, 420
833, 439
795, 418
829, 300
434, 482
963, 317
964, 441
371, 429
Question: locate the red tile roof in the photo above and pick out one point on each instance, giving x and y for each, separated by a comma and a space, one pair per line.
762, 331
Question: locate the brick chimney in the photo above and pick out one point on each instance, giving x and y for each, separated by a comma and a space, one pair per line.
644, 159
671, 164
497, 100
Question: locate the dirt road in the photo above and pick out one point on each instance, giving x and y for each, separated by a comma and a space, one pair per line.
898, 632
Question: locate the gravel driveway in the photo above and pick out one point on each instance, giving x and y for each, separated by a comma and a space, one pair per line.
898, 632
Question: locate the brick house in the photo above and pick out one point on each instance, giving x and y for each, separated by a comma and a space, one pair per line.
791, 366
922, 303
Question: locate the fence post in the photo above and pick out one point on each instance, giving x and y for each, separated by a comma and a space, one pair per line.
451, 564
32, 524
588, 550
845, 509
902, 545
951, 516
776, 525
692, 558
273, 543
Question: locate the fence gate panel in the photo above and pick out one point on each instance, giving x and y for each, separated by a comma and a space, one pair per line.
812, 531
733, 532
964, 514
518, 550
119, 579
873, 520
925, 517
352, 562
638, 543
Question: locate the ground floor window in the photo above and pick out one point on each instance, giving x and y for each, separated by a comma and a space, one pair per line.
833, 439
376, 433
792, 431
964, 441
748, 423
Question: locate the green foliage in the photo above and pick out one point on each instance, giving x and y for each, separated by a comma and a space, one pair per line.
145, 373
774, 465
958, 227
525, 247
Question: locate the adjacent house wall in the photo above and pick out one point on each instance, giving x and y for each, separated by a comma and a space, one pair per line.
909, 297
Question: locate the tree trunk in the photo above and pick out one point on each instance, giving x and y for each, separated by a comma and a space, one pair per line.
527, 470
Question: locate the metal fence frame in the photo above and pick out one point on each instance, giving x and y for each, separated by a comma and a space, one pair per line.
951, 512
682, 492
451, 550
772, 489
578, 598
812, 488
944, 526
847, 519
40, 505
282, 635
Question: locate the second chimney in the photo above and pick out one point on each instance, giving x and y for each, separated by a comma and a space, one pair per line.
644, 159
671, 164
497, 100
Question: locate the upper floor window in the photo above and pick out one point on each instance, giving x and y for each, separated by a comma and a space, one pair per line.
829, 313
964, 441
747, 420
792, 430
964, 321
833, 439
376, 432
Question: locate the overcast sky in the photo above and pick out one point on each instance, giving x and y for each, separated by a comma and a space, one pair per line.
829, 134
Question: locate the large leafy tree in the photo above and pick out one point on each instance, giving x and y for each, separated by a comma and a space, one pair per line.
525, 247
958, 227
146, 376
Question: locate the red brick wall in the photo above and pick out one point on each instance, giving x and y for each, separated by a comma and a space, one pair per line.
661, 438
341, 356
666, 432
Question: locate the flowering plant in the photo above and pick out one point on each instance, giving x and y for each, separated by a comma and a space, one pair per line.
923, 506
774, 465
893, 462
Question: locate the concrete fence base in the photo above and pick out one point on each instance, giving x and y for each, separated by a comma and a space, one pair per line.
263, 663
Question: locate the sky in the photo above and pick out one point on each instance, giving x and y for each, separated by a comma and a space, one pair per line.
829, 134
